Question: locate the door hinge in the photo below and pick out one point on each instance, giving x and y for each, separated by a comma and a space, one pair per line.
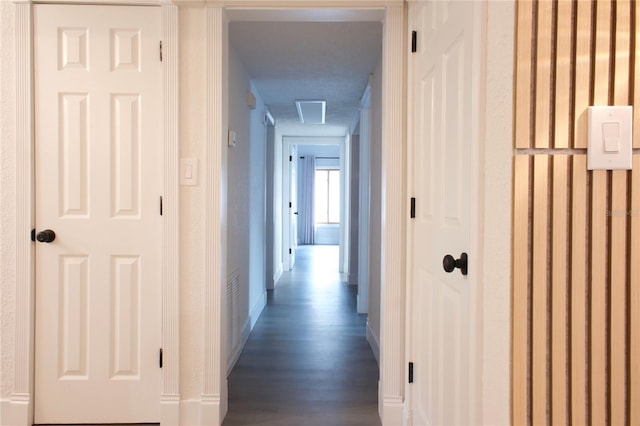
290, 204
410, 372
414, 41
291, 158
161, 205
160, 50
33, 234
160, 358
290, 251
413, 208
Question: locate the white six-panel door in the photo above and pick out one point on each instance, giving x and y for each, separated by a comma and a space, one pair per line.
441, 392
98, 186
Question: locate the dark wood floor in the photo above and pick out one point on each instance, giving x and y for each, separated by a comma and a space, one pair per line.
307, 361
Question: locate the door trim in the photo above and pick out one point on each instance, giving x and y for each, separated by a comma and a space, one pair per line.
22, 397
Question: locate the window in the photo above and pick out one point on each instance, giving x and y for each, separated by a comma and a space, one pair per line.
327, 202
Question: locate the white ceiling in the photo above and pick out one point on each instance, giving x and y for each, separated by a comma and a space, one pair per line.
288, 61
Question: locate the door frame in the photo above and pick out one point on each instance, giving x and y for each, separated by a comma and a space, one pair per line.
392, 310
21, 401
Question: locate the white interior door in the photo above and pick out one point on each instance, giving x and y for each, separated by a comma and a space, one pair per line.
441, 323
293, 205
98, 186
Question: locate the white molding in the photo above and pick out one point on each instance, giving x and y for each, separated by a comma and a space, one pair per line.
244, 336
392, 310
22, 393
257, 309
21, 402
373, 342
215, 363
170, 396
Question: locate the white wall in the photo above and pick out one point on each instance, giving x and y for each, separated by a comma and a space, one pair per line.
375, 156
496, 164
245, 206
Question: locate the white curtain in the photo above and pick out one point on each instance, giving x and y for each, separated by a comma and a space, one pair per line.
306, 215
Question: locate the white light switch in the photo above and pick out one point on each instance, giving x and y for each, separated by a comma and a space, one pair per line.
189, 171
610, 138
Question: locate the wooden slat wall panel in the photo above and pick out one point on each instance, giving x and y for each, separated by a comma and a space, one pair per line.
576, 249
523, 70
559, 285
520, 293
636, 75
634, 303
543, 74
598, 296
579, 317
563, 75
582, 63
540, 285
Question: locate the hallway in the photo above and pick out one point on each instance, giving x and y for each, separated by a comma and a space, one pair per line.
307, 361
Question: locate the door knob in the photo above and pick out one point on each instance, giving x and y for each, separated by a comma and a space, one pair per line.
46, 236
449, 263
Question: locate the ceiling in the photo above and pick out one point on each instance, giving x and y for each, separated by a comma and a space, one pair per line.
289, 61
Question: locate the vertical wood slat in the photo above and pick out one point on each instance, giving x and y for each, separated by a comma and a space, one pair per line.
618, 283
560, 260
634, 294
540, 293
623, 50
520, 290
543, 74
602, 53
562, 133
523, 71
579, 319
636, 85
598, 297
582, 72
618, 219
598, 248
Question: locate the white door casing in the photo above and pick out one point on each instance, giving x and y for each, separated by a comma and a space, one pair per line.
98, 185
293, 205
442, 319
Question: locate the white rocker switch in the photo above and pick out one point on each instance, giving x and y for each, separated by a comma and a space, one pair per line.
610, 138
189, 171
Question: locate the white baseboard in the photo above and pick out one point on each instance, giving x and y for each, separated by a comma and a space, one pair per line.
373, 343
276, 276
16, 411
244, 336
205, 411
257, 308
392, 410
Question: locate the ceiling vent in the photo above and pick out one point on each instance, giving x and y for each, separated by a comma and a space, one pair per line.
311, 112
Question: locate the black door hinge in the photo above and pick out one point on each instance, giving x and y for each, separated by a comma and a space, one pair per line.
414, 41
410, 372
289, 204
33, 234
160, 358
160, 50
290, 251
161, 205
291, 158
413, 208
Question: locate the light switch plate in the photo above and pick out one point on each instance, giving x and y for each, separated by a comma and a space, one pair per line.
189, 171
610, 138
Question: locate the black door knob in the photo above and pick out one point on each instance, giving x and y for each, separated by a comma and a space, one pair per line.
449, 263
46, 236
